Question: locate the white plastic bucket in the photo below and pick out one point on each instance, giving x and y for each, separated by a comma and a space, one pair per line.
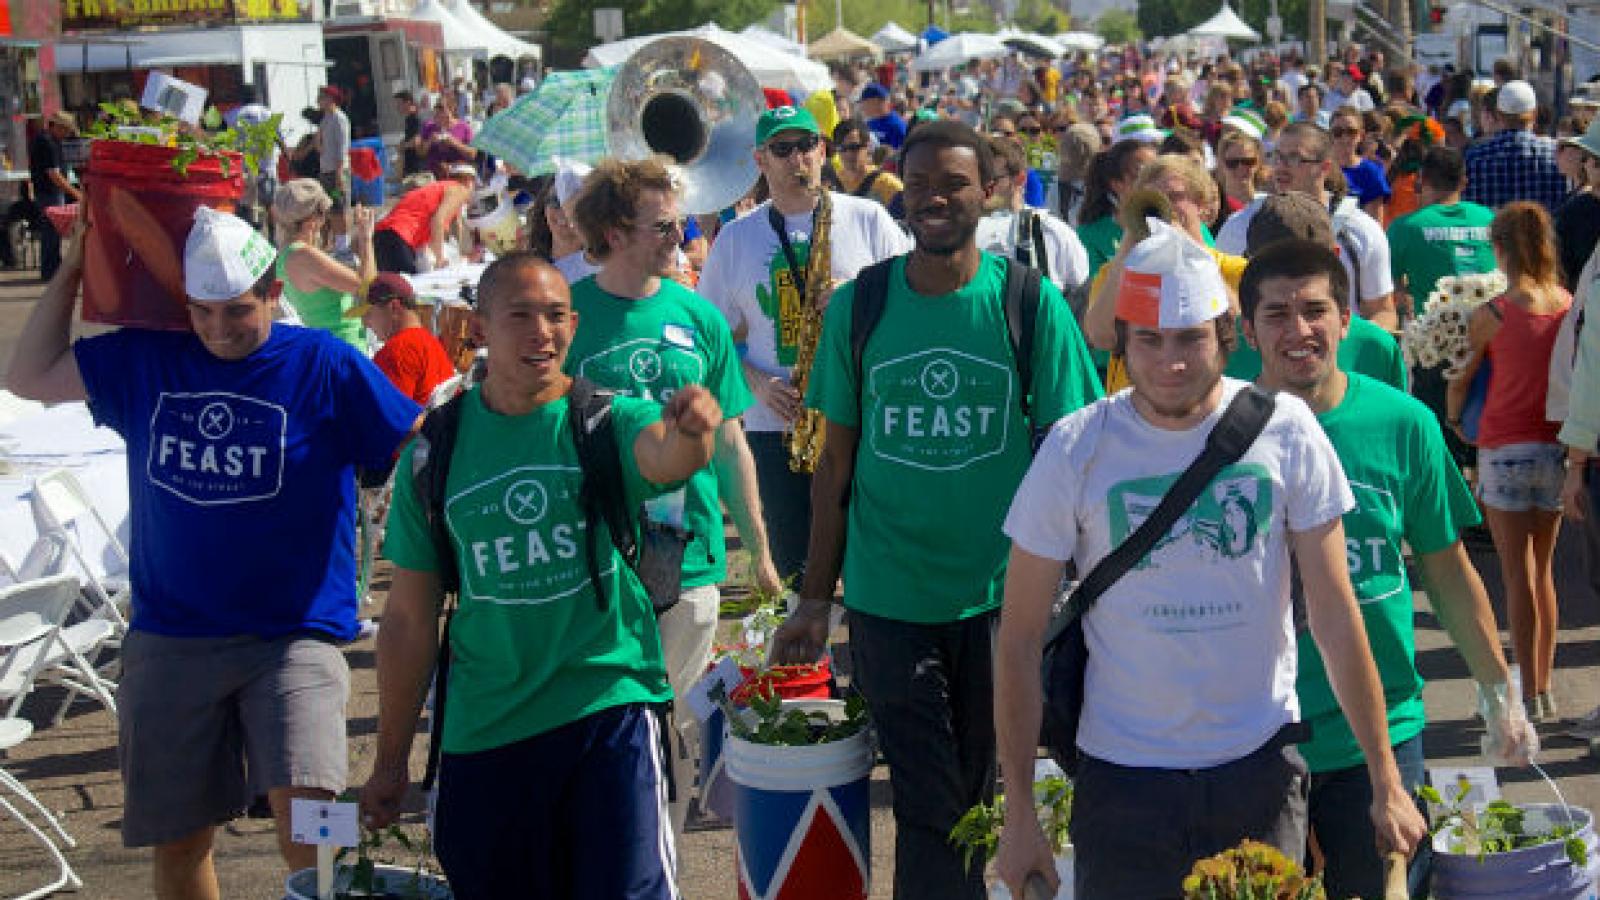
302, 885
997, 891
802, 815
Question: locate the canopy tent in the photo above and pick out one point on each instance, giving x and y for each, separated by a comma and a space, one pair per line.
894, 39
495, 42
1225, 24
959, 49
171, 48
772, 69
933, 34
767, 36
458, 37
1035, 44
842, 43
1079, 40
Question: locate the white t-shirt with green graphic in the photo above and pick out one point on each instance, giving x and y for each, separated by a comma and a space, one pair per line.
747, 277
943, 442
1408, 491
1192, 652
531, 650
649, 348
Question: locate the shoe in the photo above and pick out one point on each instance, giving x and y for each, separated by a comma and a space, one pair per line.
1534, 706
1590, 718
369, 628
1548, 705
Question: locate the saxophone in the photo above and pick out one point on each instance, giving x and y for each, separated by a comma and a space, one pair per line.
806, 432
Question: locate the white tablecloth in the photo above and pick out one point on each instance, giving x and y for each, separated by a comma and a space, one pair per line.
62, 437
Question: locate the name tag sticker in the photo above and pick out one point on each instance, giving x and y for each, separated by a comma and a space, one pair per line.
726, 673
1482, 786
317, 823
680, 336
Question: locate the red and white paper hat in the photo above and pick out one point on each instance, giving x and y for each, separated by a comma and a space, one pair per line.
1169, 281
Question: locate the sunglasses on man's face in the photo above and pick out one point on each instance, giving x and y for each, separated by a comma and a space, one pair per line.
1344, 132
804, 144
1242, 162
664, 227
1030, 129
850, 148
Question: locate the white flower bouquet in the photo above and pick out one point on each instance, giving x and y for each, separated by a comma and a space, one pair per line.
1439, 335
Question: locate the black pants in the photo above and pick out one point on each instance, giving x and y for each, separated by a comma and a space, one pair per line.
930, 691
1136, 832
49, 244
785, 502
393, 254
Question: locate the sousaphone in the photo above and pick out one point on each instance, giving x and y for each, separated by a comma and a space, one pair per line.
694, 102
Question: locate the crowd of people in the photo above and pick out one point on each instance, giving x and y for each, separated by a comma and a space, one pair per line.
977, 434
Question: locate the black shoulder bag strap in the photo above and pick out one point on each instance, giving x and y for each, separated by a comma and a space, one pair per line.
430, 472
797, 272
603, 494
1232, 436
864, 189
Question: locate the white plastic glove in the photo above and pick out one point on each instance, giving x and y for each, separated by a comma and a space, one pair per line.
1509, 739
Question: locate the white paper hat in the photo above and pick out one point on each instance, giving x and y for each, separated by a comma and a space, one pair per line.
569, 177
1169, 281
223, 257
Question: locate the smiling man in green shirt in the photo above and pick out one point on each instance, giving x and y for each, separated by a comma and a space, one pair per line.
1408, 491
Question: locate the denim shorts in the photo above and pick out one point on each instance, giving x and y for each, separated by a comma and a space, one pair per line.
1521, 477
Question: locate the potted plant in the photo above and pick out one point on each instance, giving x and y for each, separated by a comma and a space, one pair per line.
375, 874
801, 771
146, 176
1250, 871
978, 831
1502, 849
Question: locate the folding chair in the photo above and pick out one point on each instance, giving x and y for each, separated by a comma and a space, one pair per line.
14, 731
61, 507
39, 648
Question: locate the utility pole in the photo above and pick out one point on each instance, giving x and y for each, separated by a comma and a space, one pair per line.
800, 21
1317, 32
933, 13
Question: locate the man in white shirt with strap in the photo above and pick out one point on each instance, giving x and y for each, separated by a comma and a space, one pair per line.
1015, 231
757, 275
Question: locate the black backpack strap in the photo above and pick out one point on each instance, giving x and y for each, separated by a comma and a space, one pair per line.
1041, 253
430, 472
603, 496
866, 310
1022, 292
1229, 439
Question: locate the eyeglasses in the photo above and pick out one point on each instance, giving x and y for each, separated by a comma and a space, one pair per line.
1344, 132
1031, 130
665, 227
804, 143
1242, 162
1282, 159
850, 148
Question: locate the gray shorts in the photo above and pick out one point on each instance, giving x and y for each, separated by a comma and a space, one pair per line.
204, 724
1522, 477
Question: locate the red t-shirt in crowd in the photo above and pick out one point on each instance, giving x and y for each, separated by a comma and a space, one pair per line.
416, 362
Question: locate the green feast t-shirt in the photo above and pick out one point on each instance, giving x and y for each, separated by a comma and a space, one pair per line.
943, 444
1408, 489
649, 348
1436, 241
1366, 350
530, 649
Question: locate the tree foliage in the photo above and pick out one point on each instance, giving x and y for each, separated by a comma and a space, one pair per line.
1117, 26
571, 22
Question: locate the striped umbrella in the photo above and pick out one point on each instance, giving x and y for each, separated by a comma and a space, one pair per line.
565, 118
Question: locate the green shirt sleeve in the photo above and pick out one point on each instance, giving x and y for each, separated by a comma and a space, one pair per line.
1064, 377
407, 540
724, 375
1440, 505
833, 390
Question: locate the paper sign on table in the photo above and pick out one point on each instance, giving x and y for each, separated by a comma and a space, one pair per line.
726, 673
331, 824
174, 97
1483, 786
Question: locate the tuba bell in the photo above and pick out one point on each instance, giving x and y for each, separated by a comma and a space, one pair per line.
689, 99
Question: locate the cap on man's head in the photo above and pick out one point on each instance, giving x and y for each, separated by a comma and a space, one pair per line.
332, 92
874, 91
1246, 120
785, 118
1289, 215
387, 287
1517, 99
1139, 127
65, 120
223, 257
1169, 281
462, 170
299, 200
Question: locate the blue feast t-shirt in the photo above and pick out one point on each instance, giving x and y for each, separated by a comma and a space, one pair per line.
241, 475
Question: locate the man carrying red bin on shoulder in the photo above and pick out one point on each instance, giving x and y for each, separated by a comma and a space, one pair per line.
243, 438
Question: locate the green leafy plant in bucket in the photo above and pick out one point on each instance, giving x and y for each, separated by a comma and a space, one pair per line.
365, 883
978, 831
769, 722
125, 122
1501, 828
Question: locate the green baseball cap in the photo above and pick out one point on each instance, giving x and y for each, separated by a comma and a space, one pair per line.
785, 118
